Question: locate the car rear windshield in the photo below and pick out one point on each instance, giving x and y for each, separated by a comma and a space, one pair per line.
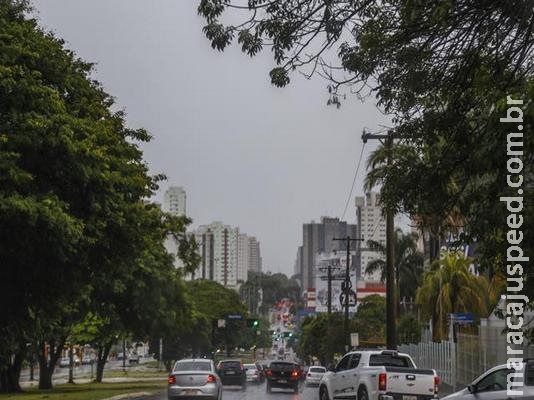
282, 366
390, 360
192, 366
230, 364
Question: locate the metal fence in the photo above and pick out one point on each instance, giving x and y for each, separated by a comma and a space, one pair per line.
439, 356
477, 353
458, 364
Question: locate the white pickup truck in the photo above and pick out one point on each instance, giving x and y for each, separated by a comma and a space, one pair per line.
378, 375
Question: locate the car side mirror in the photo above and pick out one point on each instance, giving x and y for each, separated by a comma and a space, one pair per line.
331, 368
472, 388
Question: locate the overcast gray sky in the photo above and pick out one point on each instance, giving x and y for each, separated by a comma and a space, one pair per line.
248, 154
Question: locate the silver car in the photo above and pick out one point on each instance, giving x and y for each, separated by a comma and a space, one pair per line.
314, 375
492, 385
192, 378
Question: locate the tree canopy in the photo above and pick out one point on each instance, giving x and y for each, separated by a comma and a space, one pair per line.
79, 240
443, 71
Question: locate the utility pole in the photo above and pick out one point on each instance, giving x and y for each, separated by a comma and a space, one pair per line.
346, 287
391, 317
329, 289
329, 278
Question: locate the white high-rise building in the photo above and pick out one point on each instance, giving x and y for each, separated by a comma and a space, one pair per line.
219, 244
174, 200
371, 226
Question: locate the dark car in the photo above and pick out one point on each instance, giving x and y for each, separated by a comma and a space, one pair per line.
232, 372
284, 375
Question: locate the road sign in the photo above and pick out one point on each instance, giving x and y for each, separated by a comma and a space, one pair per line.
352, 297
462, 318
346, 285
234, 316
354, 339
221, 323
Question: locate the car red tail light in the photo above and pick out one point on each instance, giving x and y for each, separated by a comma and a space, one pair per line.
294, 373
211, 379
436, 384
382, 381
171, 380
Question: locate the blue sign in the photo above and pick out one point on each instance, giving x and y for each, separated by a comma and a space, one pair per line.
234, 316
462, 318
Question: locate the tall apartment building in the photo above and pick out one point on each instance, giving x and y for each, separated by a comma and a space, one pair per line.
218, 246
248, 258
371, 226
174, 200
318, 238
243, 256
255, 260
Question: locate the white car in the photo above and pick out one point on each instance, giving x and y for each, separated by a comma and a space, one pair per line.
314, 375
194, 378
492, 385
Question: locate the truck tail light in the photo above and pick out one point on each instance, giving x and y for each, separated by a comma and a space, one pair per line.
382, 381
171, 380
294, 374
436, 384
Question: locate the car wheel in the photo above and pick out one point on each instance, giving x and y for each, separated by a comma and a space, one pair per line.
323, 393
362, 394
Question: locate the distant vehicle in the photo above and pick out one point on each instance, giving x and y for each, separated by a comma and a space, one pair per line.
194, 378
134, 358
64, 362
492, 384
87, 359
284, 375
378, 375
232, 372
314, 375
253, 373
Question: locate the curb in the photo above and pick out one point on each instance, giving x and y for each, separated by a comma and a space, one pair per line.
129, 396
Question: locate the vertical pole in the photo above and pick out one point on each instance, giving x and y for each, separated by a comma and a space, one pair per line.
390, 267
329, 289
71, 364
160, 353
124, 355
347, 289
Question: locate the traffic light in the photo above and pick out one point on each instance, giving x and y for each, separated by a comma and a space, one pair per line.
253, 323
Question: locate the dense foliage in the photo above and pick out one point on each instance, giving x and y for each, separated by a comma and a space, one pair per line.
81, 248
443, 71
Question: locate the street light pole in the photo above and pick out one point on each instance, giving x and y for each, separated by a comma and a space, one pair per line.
391, 317
346, 290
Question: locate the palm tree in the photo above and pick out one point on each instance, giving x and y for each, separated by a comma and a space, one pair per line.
450, 287
408, 263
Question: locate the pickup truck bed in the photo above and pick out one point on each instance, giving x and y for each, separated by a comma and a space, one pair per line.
378, 375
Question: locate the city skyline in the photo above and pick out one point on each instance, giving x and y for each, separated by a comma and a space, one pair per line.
248, 154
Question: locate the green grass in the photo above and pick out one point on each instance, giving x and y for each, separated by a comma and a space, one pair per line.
88, 391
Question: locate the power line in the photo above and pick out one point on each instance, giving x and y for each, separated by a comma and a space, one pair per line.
353, 183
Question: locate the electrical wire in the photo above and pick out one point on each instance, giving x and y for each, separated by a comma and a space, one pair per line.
353, 183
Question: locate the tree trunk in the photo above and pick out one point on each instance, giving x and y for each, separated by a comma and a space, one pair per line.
48, 357
103, 353
10, 375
